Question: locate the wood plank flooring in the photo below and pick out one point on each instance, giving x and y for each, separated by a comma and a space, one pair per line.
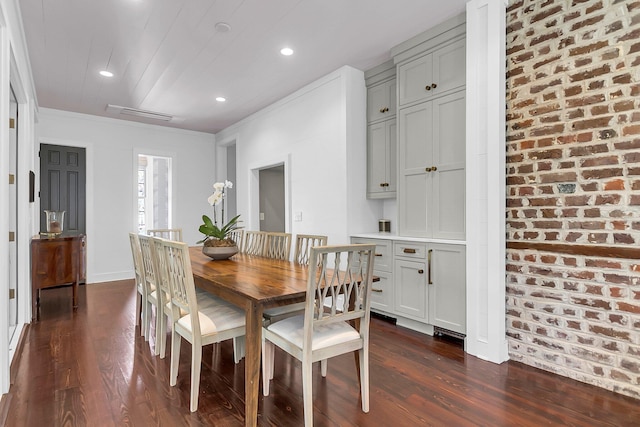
92, 368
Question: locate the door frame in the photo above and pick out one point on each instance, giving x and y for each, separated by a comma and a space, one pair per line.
89, 196
254, 190
174, 177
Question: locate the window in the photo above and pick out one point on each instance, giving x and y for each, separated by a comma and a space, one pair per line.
154, 192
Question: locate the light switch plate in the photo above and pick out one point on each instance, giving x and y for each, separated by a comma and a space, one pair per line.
297, 216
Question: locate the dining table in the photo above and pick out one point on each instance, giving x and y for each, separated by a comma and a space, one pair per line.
252, 283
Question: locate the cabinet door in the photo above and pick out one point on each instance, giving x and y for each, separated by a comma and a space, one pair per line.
381, 101
381, 159
447, 287
413, 78
415, 156
447, 207
382, 292
411, 288
433, 74
449, 68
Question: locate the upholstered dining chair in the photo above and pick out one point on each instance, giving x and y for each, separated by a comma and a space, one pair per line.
200, 321
158, 297
141, 294
174, 234
320, 334
304, 242
277, 245
254, 242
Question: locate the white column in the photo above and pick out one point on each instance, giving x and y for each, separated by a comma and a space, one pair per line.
486, 188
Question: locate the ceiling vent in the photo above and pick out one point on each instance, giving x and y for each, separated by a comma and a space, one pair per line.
127, 111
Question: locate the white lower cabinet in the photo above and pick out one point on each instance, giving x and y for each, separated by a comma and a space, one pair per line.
411, 288
382, 290
447, 287
421, 284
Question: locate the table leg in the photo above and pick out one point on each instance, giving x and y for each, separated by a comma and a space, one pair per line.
253, 345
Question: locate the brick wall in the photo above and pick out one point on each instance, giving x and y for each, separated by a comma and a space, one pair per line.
573, 189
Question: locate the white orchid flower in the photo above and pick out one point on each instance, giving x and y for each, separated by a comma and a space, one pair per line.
215, 198
218, 186
228, 184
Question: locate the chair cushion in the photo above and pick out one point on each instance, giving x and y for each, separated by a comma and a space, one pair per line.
292, 329
215, 316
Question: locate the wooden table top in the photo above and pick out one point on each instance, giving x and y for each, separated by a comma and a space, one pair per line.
262, 280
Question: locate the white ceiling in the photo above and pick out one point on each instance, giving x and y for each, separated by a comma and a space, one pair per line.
167, 56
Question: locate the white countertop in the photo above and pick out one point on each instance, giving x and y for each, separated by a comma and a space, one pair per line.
395, 237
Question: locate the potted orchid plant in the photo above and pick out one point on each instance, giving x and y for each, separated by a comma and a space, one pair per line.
216, 231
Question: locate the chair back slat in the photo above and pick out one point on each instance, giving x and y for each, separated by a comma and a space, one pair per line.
254, 242
174, 234
277, 245
342, 270
237, 236
304, 242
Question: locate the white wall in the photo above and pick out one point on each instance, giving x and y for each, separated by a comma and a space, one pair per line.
15, 70
319, 133
112, 147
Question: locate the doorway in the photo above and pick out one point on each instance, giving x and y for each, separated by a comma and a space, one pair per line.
154, 189
272, 199
63, 172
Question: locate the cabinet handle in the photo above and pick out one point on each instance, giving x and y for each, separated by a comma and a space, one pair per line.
409, 251
421, 271
384, 110
427, 87
428, 169
433, 85
376, 290
429, 266
378, 254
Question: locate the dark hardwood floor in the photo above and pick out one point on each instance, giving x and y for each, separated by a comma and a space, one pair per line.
92, 368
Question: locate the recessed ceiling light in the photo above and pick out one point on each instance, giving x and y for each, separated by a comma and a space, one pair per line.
222, 27
286, 51
221, 98
106, 73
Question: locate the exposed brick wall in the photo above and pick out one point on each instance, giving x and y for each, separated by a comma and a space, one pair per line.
573, 189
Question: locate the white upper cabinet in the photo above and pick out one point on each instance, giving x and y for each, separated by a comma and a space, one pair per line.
433, 74
381, 101
381, 160
431, 191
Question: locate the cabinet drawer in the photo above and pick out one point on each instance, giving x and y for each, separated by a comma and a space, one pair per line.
383, 259
382, 292
411, 250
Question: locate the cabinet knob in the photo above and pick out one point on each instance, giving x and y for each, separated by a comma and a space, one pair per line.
434, 168
421, 271
382, 184
427, 87
433, 85
428, 169
384, 109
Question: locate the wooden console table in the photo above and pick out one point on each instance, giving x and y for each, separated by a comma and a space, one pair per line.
56, 261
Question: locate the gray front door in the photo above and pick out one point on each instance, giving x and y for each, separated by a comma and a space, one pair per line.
63, 185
